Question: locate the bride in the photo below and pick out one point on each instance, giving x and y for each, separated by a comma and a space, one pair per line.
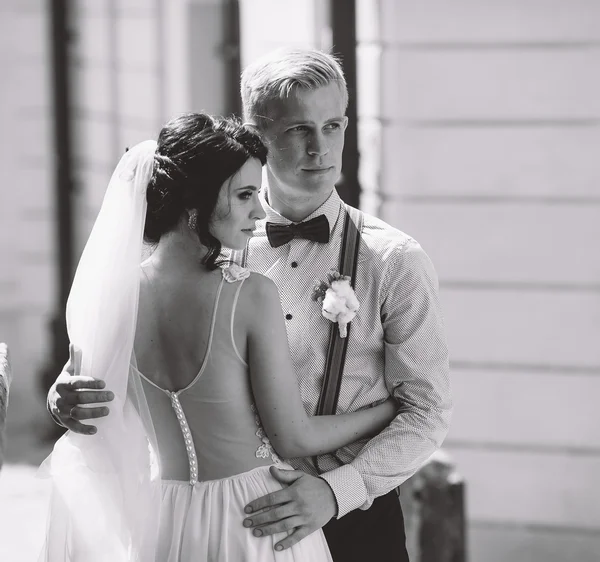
195, 351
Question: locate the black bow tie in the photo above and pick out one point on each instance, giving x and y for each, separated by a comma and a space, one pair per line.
316, 229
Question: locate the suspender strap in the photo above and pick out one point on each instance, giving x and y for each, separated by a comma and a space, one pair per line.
336, 353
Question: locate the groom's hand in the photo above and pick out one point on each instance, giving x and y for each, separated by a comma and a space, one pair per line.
66, 397
304, 506
70, 391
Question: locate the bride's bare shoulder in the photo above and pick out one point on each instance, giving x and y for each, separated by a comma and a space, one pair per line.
259, 295
260, 285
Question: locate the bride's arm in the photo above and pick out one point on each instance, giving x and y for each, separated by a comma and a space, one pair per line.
292, 432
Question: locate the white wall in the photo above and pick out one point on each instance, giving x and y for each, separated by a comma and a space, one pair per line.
27, 276
479, 124
271, 24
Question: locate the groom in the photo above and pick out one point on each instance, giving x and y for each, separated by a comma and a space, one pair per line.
297, 100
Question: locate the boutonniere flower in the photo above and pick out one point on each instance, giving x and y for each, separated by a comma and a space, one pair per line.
338, 300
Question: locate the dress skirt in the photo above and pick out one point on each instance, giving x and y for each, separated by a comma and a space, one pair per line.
203, 523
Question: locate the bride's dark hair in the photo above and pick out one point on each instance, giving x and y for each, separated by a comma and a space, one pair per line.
196, 153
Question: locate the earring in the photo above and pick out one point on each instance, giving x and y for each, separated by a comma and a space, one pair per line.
193, 220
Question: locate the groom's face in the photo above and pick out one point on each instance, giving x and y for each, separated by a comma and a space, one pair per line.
305, 140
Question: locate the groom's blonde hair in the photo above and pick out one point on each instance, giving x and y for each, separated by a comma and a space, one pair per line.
280, 73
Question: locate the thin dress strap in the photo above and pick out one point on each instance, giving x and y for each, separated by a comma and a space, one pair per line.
234, 307
206, 355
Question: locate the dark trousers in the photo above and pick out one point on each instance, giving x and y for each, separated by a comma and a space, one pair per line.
376, 534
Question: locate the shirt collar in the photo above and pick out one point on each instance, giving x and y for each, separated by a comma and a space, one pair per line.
331, 209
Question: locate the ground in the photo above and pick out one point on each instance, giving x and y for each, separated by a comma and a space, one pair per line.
23, 496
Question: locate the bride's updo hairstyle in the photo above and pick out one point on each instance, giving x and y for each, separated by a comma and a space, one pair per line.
196, 154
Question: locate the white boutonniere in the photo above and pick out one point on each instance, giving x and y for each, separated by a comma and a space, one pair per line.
338, 300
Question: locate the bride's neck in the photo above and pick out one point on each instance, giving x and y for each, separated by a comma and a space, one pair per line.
178, 253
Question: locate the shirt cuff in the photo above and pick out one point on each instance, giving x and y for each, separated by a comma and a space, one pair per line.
348, 488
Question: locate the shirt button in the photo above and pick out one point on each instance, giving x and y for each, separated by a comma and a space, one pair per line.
294, 264
288, 316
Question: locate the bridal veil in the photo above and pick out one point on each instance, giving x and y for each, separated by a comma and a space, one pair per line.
105, 488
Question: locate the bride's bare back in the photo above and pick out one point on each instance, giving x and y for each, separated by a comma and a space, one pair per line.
174, 322
185, 349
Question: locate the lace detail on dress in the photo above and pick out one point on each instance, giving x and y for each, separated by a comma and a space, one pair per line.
235, 272
265, 449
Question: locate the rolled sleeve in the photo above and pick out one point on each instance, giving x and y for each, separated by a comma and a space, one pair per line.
348, 488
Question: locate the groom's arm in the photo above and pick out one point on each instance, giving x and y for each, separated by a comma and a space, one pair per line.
417, 374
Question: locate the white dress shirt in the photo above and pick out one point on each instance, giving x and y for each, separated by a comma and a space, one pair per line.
396, 346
